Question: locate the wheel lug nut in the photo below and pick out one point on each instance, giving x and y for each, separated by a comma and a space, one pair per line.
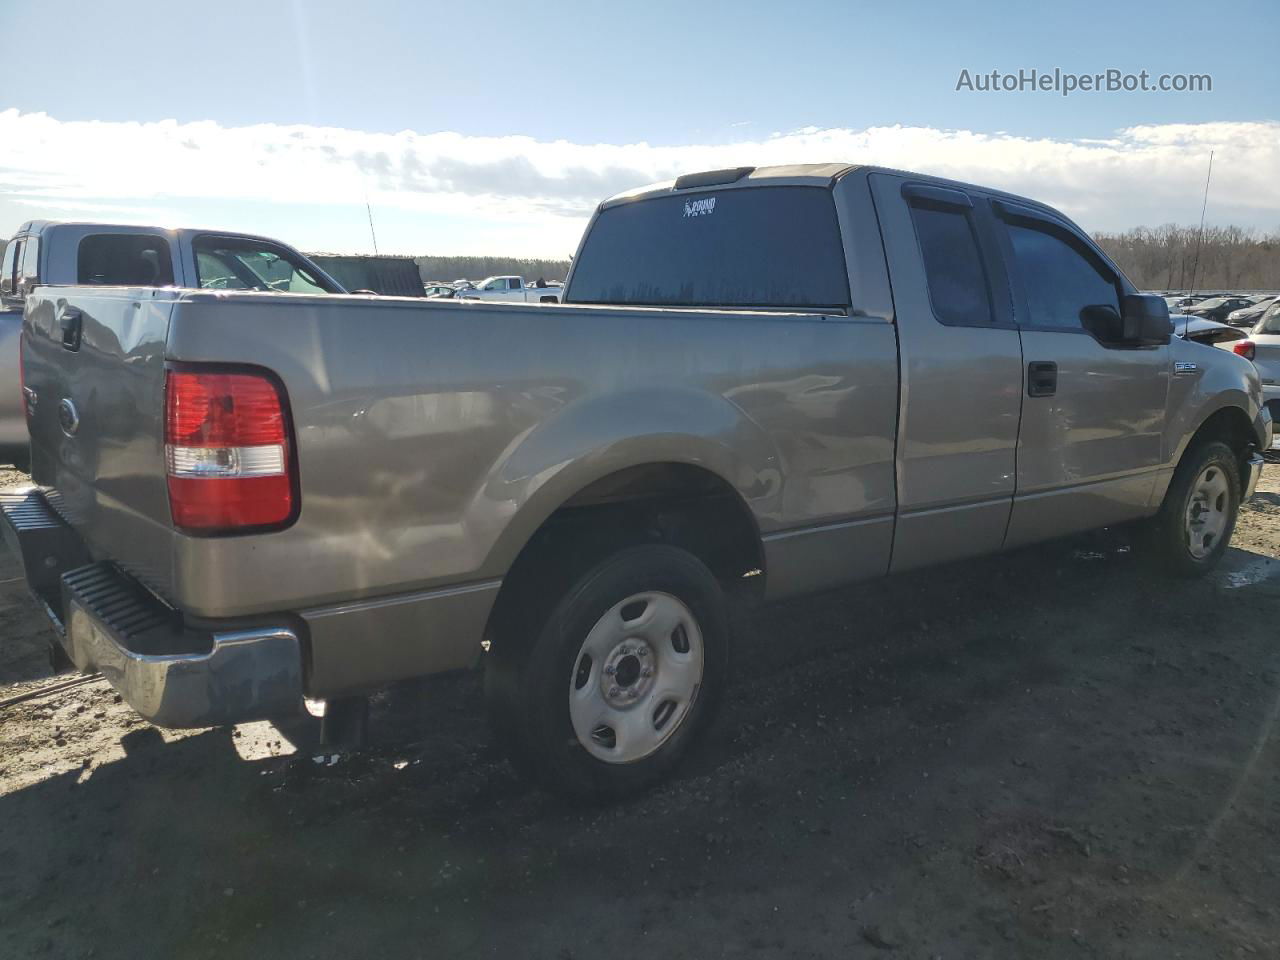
646, 673
614, 691
610, 670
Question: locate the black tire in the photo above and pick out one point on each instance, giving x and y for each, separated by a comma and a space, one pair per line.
527, 677
1169, 540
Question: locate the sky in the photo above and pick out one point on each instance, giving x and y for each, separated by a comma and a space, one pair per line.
496, 128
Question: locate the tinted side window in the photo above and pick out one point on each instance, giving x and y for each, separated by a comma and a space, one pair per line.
958, 287
1060, 278
124, 260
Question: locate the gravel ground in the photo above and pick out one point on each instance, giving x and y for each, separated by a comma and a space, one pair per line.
1048, 754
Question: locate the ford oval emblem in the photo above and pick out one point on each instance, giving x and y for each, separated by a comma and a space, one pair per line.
68, 417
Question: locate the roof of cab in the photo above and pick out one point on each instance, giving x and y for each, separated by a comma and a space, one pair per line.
803, 175
791, 174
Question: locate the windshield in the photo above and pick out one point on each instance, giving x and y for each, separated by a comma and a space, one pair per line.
229, 263
746, 247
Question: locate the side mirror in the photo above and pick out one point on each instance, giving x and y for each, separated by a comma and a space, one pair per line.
1144, 320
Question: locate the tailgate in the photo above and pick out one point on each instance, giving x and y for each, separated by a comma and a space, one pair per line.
94, 369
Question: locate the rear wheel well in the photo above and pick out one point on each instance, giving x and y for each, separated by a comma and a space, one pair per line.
1232, 426
672, 503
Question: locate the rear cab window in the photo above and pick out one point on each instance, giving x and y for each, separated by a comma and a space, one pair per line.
749, 247
124, 260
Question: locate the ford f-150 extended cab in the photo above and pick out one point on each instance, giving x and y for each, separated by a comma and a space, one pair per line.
780, 379
106, 254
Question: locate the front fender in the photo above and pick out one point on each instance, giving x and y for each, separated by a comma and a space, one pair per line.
1222, 379
592, 438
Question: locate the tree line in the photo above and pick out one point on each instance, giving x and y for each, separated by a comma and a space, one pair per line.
477, 268
1172, 257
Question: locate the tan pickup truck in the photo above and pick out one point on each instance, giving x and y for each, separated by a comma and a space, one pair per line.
784, 379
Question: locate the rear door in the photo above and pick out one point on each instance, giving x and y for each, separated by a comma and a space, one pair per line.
961, 372
1094, 410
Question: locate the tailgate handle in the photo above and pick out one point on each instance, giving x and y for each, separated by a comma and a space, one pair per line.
71, 322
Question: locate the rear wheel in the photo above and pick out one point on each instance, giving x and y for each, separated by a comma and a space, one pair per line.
618, 680
1195, 523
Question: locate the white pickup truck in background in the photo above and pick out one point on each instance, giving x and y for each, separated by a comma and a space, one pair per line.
511, 289
51, 253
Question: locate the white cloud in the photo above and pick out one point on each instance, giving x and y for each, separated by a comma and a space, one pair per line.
451, 193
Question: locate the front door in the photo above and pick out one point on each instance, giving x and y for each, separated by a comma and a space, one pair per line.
1093, 409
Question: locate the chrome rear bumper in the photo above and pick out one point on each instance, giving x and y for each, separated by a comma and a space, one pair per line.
171, 672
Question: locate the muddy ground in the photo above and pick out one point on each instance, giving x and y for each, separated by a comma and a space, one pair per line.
1047, 754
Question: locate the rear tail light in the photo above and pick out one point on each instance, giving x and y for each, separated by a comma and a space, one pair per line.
227, 456
1244, 347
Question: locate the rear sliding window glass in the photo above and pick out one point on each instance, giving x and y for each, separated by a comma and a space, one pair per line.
748, 247
124, 260
958, 288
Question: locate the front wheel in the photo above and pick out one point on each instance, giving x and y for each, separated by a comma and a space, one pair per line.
1195, 523
619, 680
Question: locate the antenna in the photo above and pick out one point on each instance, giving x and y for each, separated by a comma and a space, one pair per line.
1200, 237
369, 210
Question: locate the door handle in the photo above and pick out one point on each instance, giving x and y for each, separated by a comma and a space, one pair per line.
71, 323
1042, 378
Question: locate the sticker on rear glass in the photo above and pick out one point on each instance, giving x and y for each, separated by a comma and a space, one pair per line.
700, 208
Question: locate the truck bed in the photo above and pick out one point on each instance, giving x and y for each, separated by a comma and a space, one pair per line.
432, 438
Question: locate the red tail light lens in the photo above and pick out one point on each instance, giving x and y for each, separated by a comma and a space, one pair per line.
226, 452
1245, 348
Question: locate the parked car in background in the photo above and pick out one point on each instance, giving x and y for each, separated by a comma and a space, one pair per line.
770, 381
511, 289
46, 252
1250, 315
1200, 330
1262, 346
440, 291
1218, 308
1178, 303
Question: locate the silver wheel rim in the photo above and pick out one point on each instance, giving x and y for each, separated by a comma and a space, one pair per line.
635, 678
1207, 512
